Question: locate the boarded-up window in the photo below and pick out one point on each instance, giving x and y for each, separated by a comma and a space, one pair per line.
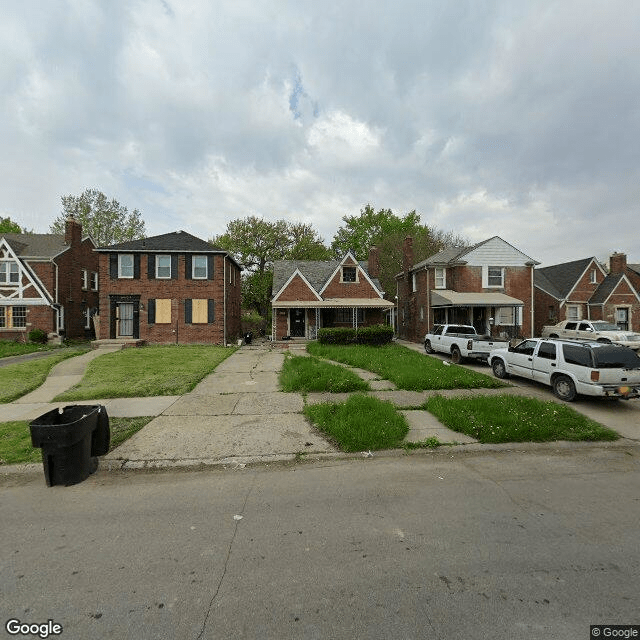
163, 311
199, 312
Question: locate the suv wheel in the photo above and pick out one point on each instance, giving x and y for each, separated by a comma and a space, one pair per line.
564, 388
498, 368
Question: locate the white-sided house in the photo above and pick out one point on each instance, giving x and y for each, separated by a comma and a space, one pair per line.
309, 295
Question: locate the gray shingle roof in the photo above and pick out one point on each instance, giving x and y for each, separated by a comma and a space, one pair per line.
36, 245
176, 241
560, 277
606, 288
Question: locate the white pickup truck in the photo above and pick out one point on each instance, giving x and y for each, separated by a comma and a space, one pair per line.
460, 341
592, 330
572, 367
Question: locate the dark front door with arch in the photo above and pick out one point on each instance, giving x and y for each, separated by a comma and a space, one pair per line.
296, 323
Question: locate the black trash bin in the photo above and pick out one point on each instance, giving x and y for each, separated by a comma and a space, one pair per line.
71, 438
248, 337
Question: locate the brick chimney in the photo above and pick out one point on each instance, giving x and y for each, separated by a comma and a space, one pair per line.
618, 263
407, 254
72, 231
374, 262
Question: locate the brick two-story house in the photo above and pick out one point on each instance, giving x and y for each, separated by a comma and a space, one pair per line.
488, 285
583, 289
171, 288
49, 282
309, 295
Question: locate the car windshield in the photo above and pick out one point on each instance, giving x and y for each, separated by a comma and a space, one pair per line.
615, 357
605, 326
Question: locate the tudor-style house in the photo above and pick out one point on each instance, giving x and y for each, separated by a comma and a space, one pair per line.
583, 289
488, 285
48, 282
310, 295
171, 288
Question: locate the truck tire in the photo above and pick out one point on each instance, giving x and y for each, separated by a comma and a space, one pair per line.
427, 346
564, 388
499, 369
553, 335
456, 356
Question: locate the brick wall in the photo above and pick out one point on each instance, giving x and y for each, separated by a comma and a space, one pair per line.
177, 330
297, 289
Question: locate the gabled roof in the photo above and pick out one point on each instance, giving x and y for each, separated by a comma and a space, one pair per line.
317, 273
606, 288
36, 245
174, 242
559, 279
634, 267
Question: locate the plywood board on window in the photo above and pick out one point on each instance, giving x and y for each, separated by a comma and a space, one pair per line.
163, 311
199, 312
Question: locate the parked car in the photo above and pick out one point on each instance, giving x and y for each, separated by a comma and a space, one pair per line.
592, 330
572, 367
460, 341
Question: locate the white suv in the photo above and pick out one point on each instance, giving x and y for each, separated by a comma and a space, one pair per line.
572, 367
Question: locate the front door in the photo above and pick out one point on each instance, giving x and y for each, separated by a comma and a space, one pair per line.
622, 318
296, 322
125, 320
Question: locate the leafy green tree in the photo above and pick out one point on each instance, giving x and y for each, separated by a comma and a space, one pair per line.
387, 231
257, 243
7, 225
106, 221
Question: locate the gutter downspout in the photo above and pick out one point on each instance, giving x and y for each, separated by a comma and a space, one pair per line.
224, 301
532, 331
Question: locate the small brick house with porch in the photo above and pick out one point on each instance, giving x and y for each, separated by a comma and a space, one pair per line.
584, 290
48, 282
171, 288
488, 285
309, 295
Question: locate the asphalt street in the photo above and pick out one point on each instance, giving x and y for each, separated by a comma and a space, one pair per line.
534, 544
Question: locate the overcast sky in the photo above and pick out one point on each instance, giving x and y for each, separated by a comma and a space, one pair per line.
510, 118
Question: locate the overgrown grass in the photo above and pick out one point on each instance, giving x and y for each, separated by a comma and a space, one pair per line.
407, 369
18, 379
515, 419
147, 371
11, 348
308, 375
15, 438
361, 423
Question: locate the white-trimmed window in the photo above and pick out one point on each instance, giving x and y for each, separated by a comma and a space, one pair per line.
199, 270
349, 274
593, 277
414, 283
13, 317
9, 272
94, 281
85, 279
87, 318
125, 265
163, 267
495, 276
441, 278
573, 312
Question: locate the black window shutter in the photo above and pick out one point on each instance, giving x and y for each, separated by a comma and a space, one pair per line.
187, 311
151, 266
136, 266
187, 266
113, 265
211, 311
151, 310
174, 266
210, 262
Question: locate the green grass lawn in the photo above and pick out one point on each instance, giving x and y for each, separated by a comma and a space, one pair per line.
147, 371
307, 375
18, 379
15, 438
407, 369
361, 423
515, 419
12, 348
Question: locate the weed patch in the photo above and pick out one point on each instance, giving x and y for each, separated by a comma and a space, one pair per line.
515, 419
361, 423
